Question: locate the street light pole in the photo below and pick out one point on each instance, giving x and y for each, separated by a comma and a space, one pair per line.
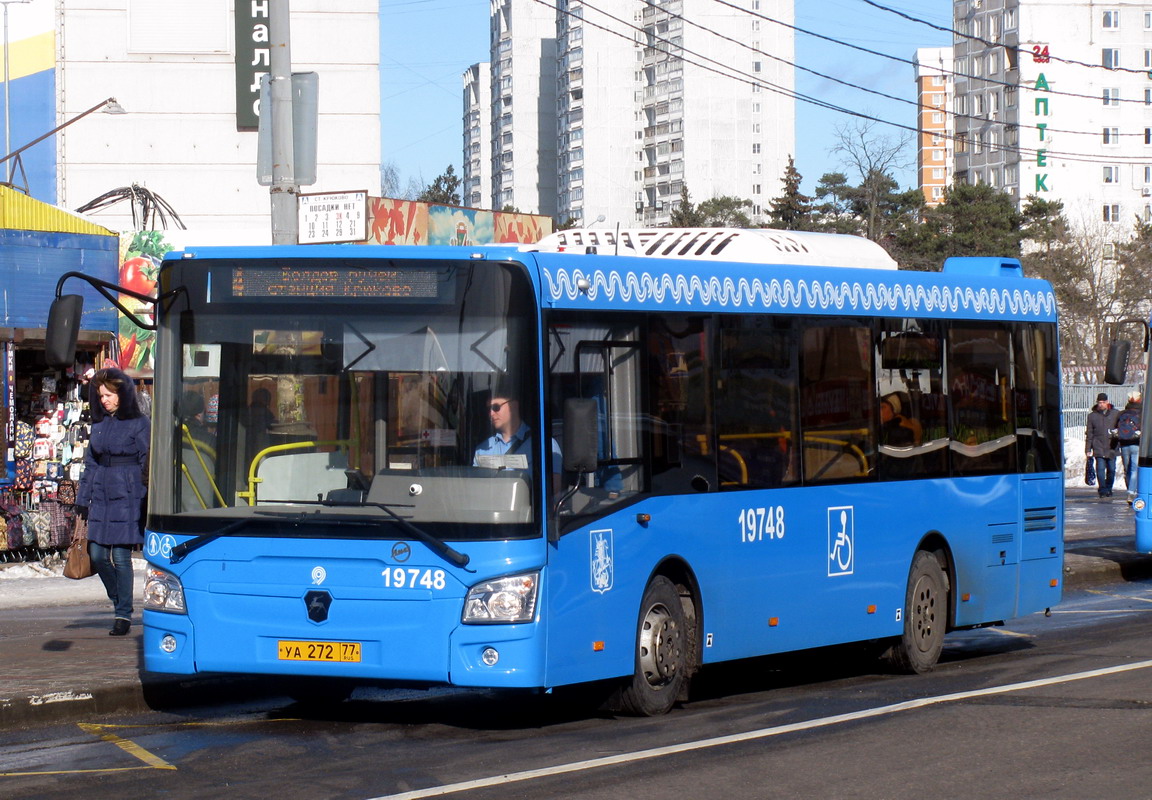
109, 105
7, 102
285, 223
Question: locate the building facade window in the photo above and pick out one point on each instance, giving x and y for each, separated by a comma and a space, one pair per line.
1111, 136
1111, 96
1110, 57
1111, 174
1111, 19
1111, 212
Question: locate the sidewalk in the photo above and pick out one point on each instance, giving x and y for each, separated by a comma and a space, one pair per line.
59, 663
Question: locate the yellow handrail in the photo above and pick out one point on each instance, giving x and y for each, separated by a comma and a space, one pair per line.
250, 495
196, 448
188, 474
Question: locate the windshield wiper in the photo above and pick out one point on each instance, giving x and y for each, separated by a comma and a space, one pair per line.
440, 547
184, 548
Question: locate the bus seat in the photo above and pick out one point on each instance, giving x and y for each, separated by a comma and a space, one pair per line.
301, 476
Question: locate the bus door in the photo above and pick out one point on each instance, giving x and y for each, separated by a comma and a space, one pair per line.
591, 598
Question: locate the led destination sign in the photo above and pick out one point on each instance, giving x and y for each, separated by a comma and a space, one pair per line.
365, 283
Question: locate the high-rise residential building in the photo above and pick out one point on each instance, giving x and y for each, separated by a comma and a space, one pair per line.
523, 141
476, 175
187, 74
934, 122
1053, 100
647, 99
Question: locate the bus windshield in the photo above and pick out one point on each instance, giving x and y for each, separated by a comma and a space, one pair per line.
308, 390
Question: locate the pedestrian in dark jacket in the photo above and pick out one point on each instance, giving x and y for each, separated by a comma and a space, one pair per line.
113, 487
1128, 441
1100, 443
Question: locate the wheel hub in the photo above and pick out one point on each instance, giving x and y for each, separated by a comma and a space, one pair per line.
659, 646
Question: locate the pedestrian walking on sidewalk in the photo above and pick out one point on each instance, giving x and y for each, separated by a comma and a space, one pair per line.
1100, 443
113, 487
1128, 440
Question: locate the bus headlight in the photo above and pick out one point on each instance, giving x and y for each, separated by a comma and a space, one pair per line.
163, 592
511, 599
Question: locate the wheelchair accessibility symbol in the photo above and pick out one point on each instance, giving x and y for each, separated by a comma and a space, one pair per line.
158, 545
841, 539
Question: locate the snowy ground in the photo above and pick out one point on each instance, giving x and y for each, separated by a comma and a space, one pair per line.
42, 583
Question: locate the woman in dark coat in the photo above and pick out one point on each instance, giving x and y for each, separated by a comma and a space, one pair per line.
113, 486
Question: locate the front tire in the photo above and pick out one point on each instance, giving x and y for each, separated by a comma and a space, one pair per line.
925, 617
663, 657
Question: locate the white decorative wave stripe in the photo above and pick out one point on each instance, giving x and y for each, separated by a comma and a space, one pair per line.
815, 295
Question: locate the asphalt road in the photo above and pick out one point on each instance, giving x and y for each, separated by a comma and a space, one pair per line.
1053, 707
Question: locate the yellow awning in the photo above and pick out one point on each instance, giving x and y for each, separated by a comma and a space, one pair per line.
18, 211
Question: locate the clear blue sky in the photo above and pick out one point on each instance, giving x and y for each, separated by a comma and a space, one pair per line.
425, 46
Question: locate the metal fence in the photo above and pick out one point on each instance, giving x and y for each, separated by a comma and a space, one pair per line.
1078, 399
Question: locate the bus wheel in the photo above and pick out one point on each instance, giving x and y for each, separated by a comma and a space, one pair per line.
662, 657
925, 616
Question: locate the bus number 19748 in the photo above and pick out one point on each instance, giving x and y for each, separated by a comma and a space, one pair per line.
758, 524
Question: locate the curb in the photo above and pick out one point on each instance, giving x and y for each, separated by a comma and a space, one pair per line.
160, 693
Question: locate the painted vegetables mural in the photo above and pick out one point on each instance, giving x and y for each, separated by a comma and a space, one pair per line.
138, 268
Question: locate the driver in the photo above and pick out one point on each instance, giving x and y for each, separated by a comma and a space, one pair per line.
512, 435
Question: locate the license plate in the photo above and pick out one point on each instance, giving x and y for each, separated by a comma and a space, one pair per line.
336, 652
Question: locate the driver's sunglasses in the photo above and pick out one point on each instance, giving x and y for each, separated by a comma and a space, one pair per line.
498, 406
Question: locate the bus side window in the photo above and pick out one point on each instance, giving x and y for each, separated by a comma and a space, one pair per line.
679, 376
912, 400
756, 403
980, 384
837, 401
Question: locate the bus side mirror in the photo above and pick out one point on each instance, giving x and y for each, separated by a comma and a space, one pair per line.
63, 330
1117, 367
581, 435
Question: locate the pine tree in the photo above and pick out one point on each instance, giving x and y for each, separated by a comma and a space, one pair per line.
444, 190
791, 211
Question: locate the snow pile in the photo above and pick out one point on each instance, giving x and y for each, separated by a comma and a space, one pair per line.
35, 584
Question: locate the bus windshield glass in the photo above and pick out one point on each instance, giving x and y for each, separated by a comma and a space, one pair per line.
298, 392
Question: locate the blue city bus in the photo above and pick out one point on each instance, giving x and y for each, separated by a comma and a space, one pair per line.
728, 444
1116, 373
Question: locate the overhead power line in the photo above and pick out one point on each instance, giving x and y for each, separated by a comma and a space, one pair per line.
910, 62
729, 72
991, 43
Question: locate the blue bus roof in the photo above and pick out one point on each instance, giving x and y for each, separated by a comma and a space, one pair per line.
969, 288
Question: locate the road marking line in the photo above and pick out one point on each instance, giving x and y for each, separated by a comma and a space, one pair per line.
73, 771
150, 760
1119, 596
129, 747
763, 733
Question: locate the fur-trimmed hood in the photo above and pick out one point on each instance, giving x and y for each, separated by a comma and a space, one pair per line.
129, 404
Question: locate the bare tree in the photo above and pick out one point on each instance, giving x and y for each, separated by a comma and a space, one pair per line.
1098, 283
873, 156
390, 183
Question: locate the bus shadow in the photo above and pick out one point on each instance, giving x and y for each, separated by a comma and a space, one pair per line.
511, 710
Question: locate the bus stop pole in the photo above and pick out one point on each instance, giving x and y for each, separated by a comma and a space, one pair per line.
284, 189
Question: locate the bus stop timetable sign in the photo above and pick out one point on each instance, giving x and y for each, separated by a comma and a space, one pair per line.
328, 217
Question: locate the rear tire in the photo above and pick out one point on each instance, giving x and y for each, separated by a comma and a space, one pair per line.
663, 657
925, 617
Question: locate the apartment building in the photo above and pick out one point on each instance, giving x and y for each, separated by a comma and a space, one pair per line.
647, 98
935, 129
1053, 99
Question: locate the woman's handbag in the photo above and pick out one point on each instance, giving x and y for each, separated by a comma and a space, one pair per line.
77, 564
1090, 473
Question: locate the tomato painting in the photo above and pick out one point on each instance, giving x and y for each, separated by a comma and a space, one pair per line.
137, 275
